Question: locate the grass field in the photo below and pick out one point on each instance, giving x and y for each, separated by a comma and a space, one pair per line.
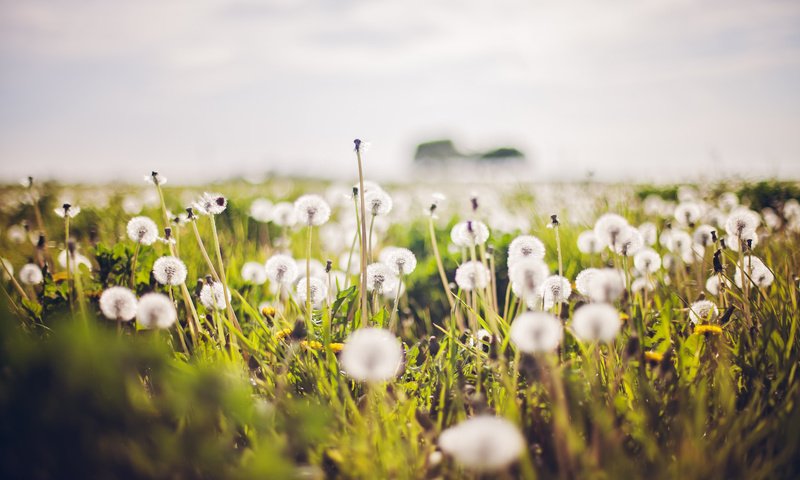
474, 353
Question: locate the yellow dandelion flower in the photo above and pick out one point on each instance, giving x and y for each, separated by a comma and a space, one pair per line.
654, 357
281, 334
709, 329
336, 347
624, 316
313, 344
268, 311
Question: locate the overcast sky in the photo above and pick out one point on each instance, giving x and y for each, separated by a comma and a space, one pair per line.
204, 89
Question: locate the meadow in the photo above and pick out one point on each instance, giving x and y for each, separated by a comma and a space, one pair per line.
303, 329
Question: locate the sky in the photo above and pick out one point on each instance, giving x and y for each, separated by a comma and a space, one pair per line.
99, 90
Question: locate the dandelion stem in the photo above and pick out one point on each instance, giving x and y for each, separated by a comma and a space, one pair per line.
396, 302
440, 267
309, 324
133, 265
66, 249
363, 229
226, 291
14, 282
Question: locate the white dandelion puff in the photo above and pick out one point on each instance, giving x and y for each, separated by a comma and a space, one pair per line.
212, 296
155, 310
169, 270
75, 262
608, 229
555, 290
649, 233
372, 355
749, 239
68, 211
118, 303
155, 178
142, 230
380, 277
254, 273
283, 214
281, 269
402, 261
647, 261
483, 443
688, 213
261, 210
703, 235
472, 275
589, 243
523, 247
703, 311
606, 285
679, 241
312, 210
527, 277
536, 332
210, 204
596, 322
316, 290
31, 274
628, 242
713, 283
641, 284
377, 202
469, 233
583, 280
756, 273
742, 223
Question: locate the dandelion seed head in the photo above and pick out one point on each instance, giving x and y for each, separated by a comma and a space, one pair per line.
742, 223
596, 322
210, 204
608, 228
527, 277
169, 270
402, 261
316, 290
75, 262
212, 296
728, 201
641, 284
536, 332
469, 233
555, 289
702, 235
31, 274
713, 283
703, 311
377, 202
381, 277
649, 233
735, 244
68, 210
155, 178
281, 269
483, 443
142, 230
756, 273
312, 210
679, 241
372, 355
523, 247
261, 210
118, 303
583, 280
628, 242
589, 243
284, 214
688, 213
155, 310
606, 285
647, 261
254, 273
472, 275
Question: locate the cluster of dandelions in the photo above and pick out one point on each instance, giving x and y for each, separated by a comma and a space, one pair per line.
151, 311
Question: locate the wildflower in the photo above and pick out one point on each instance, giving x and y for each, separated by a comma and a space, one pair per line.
380, 277
688, 213
312, 210
708, 329
527, 277
169, 270
372, 355
525, 246
483, 443
254, 273
68, 211
555, 290
156, 311
469, 233
606, 285
31, 274
316, 290
261, 210
75, 262
654, 357
589, 243
702, 310
679, 241
608, 229
267, 310
648, 232
281, 269
436, 200
283, 214
212, 296
583, 279
210, 204
749, 240
142, 230
728, 201
704, 235
283, 333
713, 283
312, 344
402, 261
742, 223
641, 284
647, 261
377, 202
472, 275
628, 242
535, 332
336, 347
596, 322
118, 303
155, 178
756, 272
